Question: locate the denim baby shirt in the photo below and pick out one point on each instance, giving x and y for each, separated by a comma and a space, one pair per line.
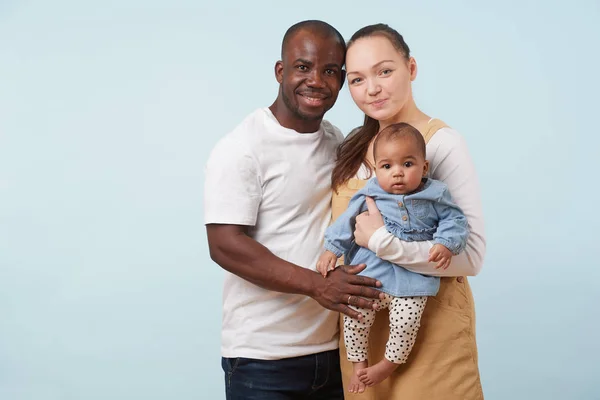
429, 214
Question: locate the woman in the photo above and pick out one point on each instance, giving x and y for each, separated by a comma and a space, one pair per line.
443, 363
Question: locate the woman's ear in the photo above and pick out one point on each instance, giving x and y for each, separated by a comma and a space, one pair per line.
412, 68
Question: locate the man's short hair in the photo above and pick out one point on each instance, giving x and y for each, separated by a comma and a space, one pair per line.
314, 25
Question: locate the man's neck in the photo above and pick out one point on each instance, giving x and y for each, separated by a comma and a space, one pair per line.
288, 120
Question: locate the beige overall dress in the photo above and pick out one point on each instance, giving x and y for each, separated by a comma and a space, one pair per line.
443, 361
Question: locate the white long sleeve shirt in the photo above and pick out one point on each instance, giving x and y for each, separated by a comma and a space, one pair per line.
451, 163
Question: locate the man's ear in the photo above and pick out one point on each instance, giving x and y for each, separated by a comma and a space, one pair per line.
343, 78
279, 71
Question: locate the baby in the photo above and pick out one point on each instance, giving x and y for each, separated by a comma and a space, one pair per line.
414, 208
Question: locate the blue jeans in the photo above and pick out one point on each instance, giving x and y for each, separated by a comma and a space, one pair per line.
312, 377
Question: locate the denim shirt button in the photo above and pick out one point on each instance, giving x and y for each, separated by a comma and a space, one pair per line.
404, 218
400, 204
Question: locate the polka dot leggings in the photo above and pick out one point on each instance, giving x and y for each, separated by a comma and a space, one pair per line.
405, 318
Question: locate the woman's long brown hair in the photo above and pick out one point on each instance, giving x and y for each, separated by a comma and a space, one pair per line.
352, 152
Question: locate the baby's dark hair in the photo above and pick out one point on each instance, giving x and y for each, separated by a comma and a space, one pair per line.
399, 131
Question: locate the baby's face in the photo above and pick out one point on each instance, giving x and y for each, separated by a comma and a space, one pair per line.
400, 166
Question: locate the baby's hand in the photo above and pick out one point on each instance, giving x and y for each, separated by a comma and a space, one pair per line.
440, 254
326, 262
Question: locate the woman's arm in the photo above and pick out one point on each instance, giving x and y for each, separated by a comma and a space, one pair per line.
450, 163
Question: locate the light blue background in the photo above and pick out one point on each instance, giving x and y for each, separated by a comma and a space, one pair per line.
108, 110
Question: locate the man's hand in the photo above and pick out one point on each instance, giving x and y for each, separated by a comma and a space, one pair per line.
344, 287
326, 262
367, 223
440, 254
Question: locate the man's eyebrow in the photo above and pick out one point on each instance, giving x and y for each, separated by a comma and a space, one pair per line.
333, 65
373, 67
303, 61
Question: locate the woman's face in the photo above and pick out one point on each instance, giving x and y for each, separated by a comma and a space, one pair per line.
379, 77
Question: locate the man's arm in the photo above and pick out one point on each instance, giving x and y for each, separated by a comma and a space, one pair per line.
236, 252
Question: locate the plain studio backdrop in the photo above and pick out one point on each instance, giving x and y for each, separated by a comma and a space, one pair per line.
108, 110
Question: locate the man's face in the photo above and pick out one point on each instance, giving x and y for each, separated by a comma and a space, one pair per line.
310, 74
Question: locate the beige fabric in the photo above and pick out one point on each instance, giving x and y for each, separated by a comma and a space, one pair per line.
443, 362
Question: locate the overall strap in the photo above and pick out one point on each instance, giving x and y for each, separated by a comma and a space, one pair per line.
432, 127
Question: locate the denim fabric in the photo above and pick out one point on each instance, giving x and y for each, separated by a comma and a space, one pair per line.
312, 377
429, 214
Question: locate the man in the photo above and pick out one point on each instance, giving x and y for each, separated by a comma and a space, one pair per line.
267, 205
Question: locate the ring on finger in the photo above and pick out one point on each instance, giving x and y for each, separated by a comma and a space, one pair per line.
349, 297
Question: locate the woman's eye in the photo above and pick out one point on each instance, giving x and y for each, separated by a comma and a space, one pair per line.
355, 80
386, 71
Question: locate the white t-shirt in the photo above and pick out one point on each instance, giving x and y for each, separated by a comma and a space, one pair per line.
277, 181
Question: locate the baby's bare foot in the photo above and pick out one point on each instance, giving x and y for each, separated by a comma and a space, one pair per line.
356, 386
377, 373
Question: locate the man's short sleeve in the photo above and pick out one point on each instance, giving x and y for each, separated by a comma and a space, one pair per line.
232, 189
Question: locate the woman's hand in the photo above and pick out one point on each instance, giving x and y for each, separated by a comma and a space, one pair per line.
367, 223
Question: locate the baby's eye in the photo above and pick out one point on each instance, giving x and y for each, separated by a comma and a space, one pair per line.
408, 164
387, 166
